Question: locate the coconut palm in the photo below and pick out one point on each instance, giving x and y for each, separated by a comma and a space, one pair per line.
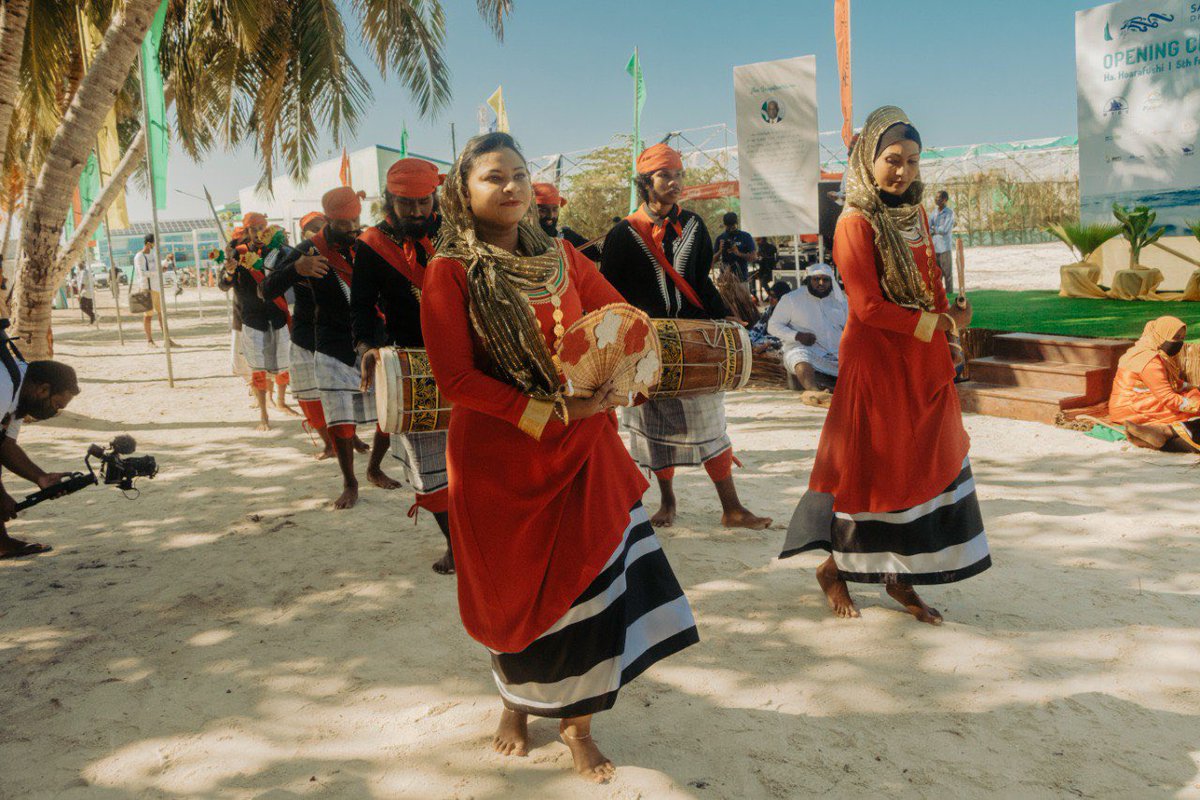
274, 73
1084, 239
1135, 227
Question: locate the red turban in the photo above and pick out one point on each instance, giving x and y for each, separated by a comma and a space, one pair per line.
342, 203
547, 195
311, 217
239, 232
660, 156
253, 219
412, 177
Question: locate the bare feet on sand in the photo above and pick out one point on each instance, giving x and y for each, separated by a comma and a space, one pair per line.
378, 477
17, 548
741, 518
512, 735
445, 564
328, 452
906, 596
264, 425
348, 497
360, 446
285, 408
590, 763
835, 590
665, 516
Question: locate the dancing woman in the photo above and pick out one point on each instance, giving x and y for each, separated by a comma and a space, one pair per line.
891, 494
559, 572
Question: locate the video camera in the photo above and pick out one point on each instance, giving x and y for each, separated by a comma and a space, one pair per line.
117, 468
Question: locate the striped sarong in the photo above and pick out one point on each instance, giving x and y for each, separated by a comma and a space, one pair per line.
423, 456
338, 384
676, 431
939, 541
302, 366
266, 351
633, 615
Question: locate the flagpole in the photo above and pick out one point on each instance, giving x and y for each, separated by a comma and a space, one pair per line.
637, 133
224, 246
453, 144
166, 328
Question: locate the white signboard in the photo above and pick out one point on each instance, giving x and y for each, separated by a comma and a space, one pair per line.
778, 167
1138, 74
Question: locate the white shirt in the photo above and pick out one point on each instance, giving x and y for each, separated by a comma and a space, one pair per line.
87, 284
9, 396
145, 271
941, 225
799, 311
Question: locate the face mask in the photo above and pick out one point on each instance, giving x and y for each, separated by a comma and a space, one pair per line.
1172, 347
821, 293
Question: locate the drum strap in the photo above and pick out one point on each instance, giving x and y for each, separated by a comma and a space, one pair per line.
259, 276
341, 267
402, 259
643, 226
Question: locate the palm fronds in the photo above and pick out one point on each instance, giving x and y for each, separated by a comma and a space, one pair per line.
1084, 239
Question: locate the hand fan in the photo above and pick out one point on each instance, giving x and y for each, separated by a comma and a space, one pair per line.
614, 343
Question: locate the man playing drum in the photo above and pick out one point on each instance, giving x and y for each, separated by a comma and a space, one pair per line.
659, 258
389, 272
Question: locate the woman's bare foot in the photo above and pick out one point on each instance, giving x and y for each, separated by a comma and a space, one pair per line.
360, 446
512, 734
328, 452
264, 424
906, 596
348, 497
740, 517
665, 516
445, 564
379, 478
590, 763
835, 590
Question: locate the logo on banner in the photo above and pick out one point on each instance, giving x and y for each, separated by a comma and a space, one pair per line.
1116, 107
1140, 24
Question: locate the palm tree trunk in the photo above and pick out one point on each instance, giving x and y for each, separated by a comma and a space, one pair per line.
42, 223
12, 40
95, 215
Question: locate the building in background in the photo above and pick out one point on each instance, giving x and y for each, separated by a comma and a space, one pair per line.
186, 239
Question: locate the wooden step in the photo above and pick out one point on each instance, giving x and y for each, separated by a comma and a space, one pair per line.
1016, 402
1090, 381
1063, 349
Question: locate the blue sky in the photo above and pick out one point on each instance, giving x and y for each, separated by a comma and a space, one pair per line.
965, 71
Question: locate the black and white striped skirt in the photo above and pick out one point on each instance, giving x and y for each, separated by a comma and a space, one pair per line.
341, 399
632, 615
302, 366
939, 541
423, 456
266, 351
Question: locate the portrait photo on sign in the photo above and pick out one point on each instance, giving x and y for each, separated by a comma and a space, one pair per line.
772, 113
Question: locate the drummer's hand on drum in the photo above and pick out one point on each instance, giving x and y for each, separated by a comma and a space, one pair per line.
312, 266
369, 359
604, 398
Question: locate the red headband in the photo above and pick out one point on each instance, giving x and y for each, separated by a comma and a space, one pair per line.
547, 195
342, 203
412, 177
660, 156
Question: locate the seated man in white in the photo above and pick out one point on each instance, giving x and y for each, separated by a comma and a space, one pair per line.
809, 321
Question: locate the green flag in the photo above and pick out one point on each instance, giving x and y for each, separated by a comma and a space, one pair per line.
404, 141
634, 68
89, 187
157, 141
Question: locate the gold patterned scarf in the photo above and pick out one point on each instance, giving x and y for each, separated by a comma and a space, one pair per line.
497, 283
900, 279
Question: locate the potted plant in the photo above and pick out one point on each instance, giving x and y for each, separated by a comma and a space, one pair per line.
1084, 239
1135, 227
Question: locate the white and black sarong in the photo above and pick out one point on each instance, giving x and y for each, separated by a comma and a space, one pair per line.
676, 431
338, 384
423, 456
631, 616
302, 367
939, 541
266, 351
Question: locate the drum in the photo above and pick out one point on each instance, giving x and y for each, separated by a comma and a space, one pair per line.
406, 397
701, 356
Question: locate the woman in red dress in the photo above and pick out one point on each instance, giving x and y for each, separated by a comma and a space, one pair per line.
891, 495
559, 572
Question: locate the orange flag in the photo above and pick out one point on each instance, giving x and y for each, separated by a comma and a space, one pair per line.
841, 33
344, 172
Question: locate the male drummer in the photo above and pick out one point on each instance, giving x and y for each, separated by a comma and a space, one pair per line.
323, 266
549, 203
389, 272
659, 258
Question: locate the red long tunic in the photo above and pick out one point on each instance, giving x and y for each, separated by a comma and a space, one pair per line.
894, 437
536, 507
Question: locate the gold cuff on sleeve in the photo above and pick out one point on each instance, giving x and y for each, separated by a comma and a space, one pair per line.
926, 325
537, 414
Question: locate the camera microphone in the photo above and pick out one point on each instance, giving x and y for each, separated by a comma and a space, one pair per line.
123, 444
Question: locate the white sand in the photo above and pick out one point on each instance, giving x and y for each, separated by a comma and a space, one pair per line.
229, 636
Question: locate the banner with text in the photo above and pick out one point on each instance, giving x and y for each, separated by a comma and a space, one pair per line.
1137, 69
778, 165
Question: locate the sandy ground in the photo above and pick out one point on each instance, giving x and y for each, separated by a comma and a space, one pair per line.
227, 635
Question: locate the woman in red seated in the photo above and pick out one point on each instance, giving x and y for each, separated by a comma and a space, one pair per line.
1159, 410
559, 572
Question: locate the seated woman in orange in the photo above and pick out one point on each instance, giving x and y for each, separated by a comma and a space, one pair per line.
1149, 396
560, 575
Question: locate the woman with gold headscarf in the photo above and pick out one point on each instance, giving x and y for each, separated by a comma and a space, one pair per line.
891, 496
1159, 410
559, 572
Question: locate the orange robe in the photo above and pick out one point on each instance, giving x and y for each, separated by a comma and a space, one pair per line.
536, 507
894, 436
1151, 396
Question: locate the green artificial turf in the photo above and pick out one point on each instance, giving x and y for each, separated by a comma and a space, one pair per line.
1046, 312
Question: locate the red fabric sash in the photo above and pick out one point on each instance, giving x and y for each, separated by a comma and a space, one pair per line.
281, 303
403, 259
339, 263
641, 222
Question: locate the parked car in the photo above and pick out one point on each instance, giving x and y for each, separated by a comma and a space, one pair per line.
99, 272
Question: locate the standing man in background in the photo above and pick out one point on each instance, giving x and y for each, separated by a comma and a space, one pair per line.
941, 226
145, 276
735, 248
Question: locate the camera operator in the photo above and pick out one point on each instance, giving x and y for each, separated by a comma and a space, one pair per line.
39, 390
